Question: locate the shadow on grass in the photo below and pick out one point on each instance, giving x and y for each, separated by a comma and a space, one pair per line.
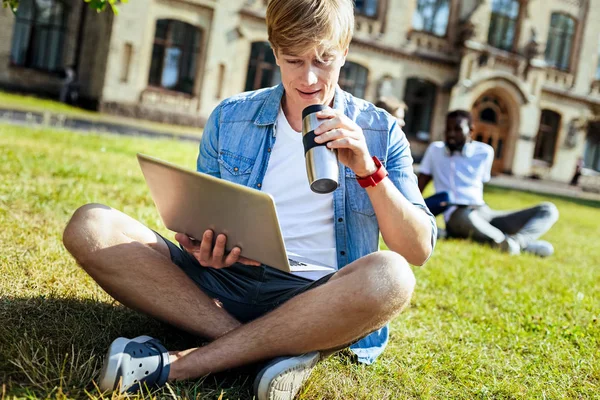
582, 202
54, 347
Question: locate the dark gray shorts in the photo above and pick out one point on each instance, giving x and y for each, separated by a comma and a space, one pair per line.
246, 292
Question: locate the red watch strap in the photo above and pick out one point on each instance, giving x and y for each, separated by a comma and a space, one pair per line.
376, 177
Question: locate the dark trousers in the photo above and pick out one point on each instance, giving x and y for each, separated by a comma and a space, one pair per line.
485, 225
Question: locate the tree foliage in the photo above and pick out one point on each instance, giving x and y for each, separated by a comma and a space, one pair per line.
98, 5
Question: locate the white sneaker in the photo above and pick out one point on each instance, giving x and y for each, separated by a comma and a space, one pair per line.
511, 246
283, 378
540, 248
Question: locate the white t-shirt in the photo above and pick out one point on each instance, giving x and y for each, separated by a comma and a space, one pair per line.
460, 174
306, 218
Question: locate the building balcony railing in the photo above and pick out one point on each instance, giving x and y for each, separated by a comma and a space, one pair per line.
429, 42
366, 26
558, 79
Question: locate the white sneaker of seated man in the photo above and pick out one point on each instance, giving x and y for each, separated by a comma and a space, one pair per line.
282, 378
539, 248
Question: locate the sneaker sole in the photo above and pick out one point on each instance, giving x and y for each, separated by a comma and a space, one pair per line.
112, 362
283, 379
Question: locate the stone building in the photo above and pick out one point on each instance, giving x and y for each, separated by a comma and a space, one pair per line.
528, 69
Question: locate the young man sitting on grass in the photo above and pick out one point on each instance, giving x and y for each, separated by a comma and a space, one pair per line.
459, 166
254, 139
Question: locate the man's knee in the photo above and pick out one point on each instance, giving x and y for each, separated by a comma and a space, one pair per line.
390, 282
85, 227
549, 211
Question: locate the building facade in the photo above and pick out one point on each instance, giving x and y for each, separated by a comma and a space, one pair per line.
528, 70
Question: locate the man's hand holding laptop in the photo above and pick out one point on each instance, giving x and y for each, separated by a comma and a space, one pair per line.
209, 256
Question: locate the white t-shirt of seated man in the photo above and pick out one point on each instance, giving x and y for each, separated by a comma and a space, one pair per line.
306, 218
461, 174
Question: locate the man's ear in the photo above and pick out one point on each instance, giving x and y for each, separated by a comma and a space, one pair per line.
344, 56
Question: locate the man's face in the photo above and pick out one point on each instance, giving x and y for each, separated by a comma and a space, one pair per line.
310, 78
400, 117
458, 133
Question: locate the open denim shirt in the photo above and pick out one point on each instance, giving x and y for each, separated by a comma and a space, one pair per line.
236, 146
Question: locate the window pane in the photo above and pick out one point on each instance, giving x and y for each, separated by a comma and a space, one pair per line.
25, 10
353, 79
503, 23
250, 78
175, 56
20, 41
38, 37
419, 96
158, 55
162, 26
262, 69
170, 74
499, 149
432, 16
560, 40
178, 33
366, 7
489, 115
546, 137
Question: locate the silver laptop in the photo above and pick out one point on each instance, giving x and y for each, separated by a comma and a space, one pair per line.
191, 202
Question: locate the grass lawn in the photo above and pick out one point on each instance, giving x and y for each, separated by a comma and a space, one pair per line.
481, 324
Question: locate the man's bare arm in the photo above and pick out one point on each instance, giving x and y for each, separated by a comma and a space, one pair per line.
424, 180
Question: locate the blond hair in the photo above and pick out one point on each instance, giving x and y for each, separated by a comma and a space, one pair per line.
295, 26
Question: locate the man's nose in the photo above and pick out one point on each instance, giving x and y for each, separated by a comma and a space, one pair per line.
310, 76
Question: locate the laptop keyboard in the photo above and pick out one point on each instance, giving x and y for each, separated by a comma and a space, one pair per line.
294, 263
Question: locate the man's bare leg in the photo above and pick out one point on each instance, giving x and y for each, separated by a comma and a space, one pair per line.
133, 265
358, 299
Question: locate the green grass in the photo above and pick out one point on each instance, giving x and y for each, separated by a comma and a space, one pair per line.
481, 324
31, 103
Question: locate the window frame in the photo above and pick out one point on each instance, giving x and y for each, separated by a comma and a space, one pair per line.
543, 130
412, 101
192, 53
350, 85
261, 65
431, 31
32, 26
377, 10
505, 17
571, 44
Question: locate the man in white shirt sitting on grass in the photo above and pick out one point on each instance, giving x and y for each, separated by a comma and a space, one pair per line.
459, 166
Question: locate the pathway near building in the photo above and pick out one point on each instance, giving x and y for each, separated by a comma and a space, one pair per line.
543, 187
78, 123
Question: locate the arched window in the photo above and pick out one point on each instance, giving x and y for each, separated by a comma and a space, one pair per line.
367, 8
560, 41
39, 35
432, 16
419, 97
262, 68
175, 56
545, 142
488, 115
353, 79
503, 24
